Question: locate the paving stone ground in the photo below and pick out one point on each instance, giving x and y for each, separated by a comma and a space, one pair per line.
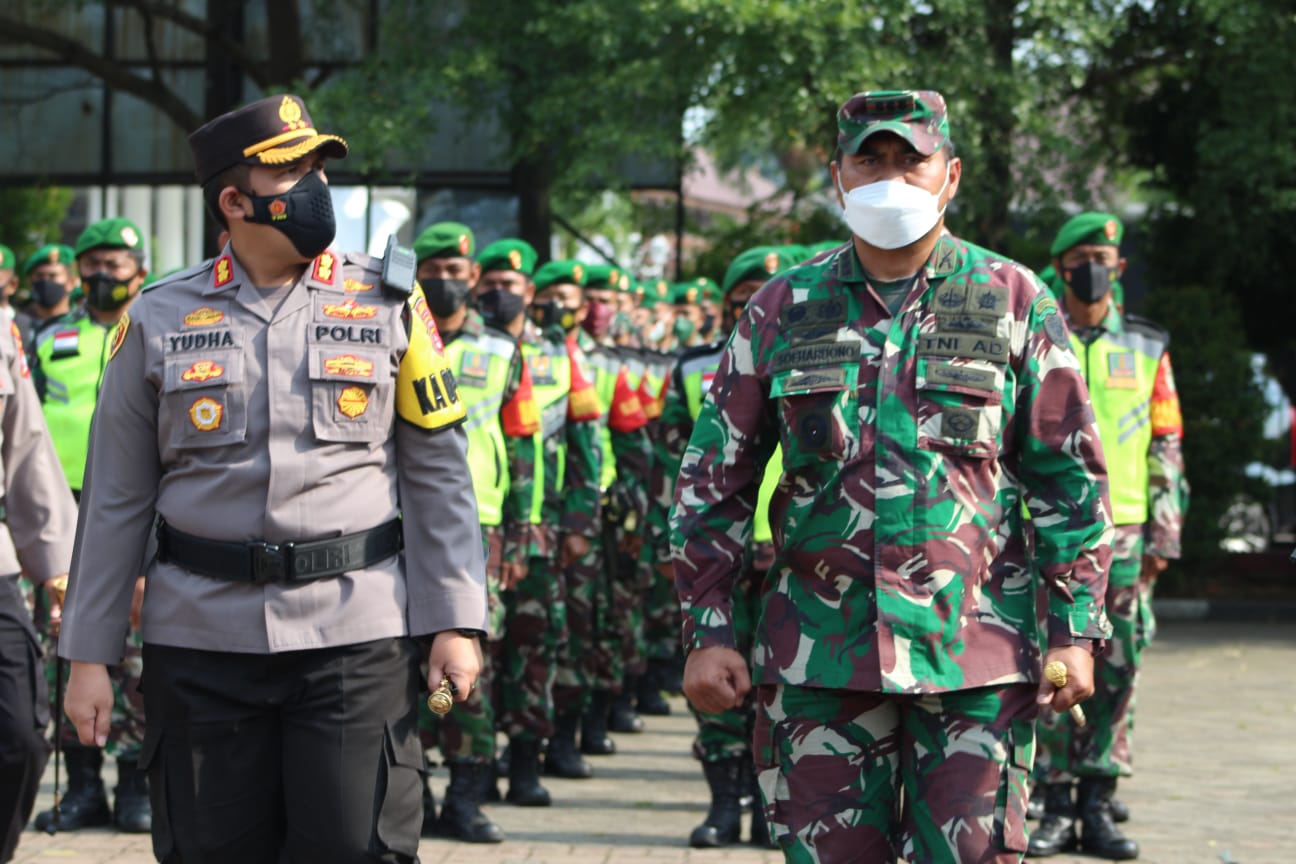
1215, 751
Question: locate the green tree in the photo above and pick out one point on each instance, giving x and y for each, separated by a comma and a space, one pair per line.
31, 216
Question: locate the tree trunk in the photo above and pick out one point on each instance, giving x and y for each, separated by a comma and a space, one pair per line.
999, 132
532, 181
287, 59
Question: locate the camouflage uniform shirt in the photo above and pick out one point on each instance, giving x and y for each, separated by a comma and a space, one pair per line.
911, 443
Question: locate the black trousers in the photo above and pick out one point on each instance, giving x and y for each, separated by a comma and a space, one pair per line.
24, 713
305, 756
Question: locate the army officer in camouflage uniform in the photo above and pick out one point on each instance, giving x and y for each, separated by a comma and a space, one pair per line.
922, 390
275, 406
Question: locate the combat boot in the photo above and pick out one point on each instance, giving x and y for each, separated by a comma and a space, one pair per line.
1098, 832
723, 822
84, 804
1056, 832
1035, 806
595, 740
461, 814
429, 810
561, 758
622, 717
1119, 809
524, 774
132, 812
648, 693
669, 674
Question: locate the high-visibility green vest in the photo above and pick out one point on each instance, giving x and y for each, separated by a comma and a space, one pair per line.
480, 363
550, 369
607, 366
697, 371
1120, 368
71, 354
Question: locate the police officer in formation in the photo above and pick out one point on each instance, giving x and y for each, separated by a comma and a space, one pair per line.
286, 417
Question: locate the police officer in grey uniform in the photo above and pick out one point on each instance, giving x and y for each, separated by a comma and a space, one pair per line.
289, 415
39, 517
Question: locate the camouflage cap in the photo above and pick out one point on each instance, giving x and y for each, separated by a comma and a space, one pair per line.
50, 253
917, 116
1100, 229
604, 276
759, 262
508, 254
566, 272
445, 240
118, 233
276, 130
6, 257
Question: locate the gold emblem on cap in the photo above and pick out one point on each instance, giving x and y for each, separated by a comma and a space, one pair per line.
1110, 229
290, 113
771, 262
129, 237
463, 244
515, 259
578, 272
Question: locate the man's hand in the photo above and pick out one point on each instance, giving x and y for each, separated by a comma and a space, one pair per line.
511, 573
89, 702
716, 679
574, 548
137, 603
1079, 687
456, 657
1153, 566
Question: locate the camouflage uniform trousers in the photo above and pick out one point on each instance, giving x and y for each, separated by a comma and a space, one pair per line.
625, 620
1103, 747
729, 733
535, 625
831, 766
578, 666
661, 620
467, 733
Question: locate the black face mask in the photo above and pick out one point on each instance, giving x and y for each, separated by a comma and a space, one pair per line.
445, 296
708, 324
500, 308
47, 292
1089, 282
304, 214
106, 292
550, 313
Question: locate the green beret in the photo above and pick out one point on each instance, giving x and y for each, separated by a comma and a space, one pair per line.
816, 249
710, 290
6, 257
603, 276
119, 233
508, 254
50, 253
445, 240
1100, 229
759, 262
683, 293
566, 272
917, 116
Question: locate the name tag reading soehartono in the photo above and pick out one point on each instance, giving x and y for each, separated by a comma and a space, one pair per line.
820, 352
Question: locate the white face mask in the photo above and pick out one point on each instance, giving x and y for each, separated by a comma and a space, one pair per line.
890, 214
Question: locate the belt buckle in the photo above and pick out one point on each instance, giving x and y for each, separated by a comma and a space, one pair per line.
271, 562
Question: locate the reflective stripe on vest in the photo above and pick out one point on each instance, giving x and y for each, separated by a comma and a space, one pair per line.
72, 383
550, 383
607, 366
485, 359
1120, 369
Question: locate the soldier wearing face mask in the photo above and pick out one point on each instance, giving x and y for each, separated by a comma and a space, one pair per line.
482, 349
1126, 363
51, 277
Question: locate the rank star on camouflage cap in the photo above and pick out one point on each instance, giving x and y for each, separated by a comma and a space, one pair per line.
445, 240
50, 253
917, 116
275, 130
508, 254
119, 233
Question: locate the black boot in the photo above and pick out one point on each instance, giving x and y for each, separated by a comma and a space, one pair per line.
1119, 809
84, 804
1098, 832
561, 758
623, 718
669, 674
132, 812
723, 820
595, 740
648, 693
1035, 806
1056, 832
524, 774
429, 810
461, 814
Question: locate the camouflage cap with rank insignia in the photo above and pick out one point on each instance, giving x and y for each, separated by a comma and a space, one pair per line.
1098, 229
119, 233
759, 262
917, 116
50, 253
561, 273
276, 130
508, 254
445, 240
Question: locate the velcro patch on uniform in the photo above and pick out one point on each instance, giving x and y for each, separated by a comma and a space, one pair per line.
349, 311
65, 343
352, 402
474, 368
542, 373
987, 300
348, 366
201, 340
951, 298
799, 382
959, 422
967, 322
1050, 316
355, 286
825, 352
203, 371
206, 413
950, 375
964, 345
814, 313
203, 316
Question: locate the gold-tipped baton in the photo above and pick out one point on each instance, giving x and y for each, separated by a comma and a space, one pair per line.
57, 585
439, 701
1056, 673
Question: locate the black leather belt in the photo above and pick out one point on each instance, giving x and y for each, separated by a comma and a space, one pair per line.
278, 562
